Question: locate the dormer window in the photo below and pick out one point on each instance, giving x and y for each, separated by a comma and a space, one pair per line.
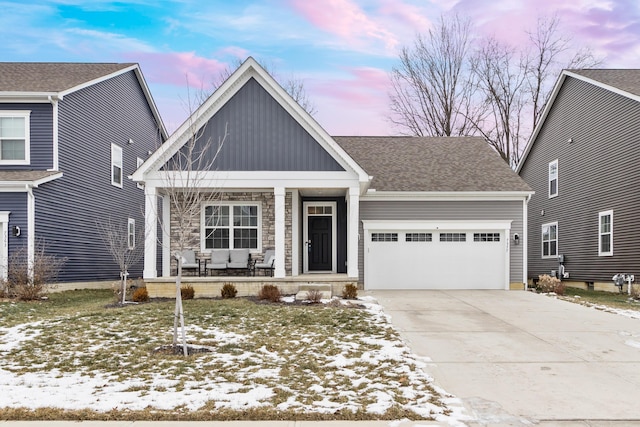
14, 137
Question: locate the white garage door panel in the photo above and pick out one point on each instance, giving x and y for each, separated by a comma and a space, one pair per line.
435, 264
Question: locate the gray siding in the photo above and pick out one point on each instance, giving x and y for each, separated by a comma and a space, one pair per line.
445, 211
598, 171
263, 136
16, 204
41, 136
67, 209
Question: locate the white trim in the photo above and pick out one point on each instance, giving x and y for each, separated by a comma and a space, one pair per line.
600, 233
26, 115
165, 239
405, 196
305, 231
557, 240
353, 223
295, 233
114, 156
21, 186
524, 242
31, 230
4, 244
139, 162
54, 106
230, 227
151, 232
550, 179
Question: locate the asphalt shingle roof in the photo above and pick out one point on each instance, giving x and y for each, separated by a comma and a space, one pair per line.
431, 164
51, 76
13, 176
626, 80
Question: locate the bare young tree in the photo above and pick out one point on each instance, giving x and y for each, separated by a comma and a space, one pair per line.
432, 88
125, 243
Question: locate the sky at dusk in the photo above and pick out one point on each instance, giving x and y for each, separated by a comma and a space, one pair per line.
343, 50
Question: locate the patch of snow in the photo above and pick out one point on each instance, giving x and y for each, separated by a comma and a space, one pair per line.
632, 343
11, 338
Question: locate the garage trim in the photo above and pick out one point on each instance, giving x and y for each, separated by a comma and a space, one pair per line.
371, 226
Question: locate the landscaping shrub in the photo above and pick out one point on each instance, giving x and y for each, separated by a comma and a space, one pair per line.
30, 282
314, 296
141, 295
350, 291
228, 291
548, 284
187, 292
270, 293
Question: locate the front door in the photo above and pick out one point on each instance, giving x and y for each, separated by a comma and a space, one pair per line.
320, 243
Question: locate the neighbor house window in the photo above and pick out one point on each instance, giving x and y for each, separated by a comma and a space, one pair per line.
131, 233
384, 237
553, 178
139, 163
14, 137
116, 165
231, 226
605, 233
453, 237
418, 237
550, 240
486, 237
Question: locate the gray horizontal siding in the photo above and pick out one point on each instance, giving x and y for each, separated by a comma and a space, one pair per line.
67, 209
41, 136
598, 171
263, 136
16, 204
448, 211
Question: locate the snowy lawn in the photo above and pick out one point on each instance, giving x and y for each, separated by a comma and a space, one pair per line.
73, 358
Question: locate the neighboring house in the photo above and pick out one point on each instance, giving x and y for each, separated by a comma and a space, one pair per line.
389, 212
582, 161
70, 134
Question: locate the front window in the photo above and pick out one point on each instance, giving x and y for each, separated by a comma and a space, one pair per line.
131, 233
605, 233
14, 137
550, 240
232, 226
553, 178
116, 165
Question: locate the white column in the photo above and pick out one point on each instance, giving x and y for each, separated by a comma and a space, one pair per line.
166, 236
31, 230
150, 231
353, 212
524, 241
295, 235
279, 193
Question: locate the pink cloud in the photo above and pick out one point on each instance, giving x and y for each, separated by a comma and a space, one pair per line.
405, 16
344, 19
234, 51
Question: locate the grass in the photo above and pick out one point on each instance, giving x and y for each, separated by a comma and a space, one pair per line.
609, 299
302, 362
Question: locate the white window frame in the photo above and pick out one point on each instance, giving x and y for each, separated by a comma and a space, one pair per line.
550, 255
231, 227
26, 115
601, 233
139, 162
131, 233
553, 177
116, 161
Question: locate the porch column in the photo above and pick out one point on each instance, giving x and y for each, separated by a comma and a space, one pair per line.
353, 213
150, 231
279, 234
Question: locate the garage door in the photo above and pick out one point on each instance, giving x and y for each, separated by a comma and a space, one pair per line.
436, 259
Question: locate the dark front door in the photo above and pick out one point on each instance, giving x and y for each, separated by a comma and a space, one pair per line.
319, 243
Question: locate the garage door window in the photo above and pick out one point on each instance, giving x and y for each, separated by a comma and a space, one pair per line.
453, 237
384, 237
418, 237
486, 237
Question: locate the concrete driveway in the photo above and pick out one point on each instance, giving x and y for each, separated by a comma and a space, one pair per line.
516, 357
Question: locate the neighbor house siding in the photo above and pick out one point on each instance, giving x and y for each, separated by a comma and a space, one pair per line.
448, 211
16, 204
597, 171
67, 209
262, 136
41, 136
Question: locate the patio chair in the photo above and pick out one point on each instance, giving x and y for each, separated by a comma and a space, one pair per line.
239, 259
218, 261
189, 261
267, 263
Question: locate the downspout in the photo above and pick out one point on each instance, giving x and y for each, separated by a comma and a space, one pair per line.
54, 103
525, 241
31, 228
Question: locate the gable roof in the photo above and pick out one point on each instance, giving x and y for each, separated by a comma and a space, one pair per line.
624, 82
41, 81
432, 164
250, 69
20, 179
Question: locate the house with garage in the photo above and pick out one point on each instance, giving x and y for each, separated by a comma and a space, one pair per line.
383, 212
581, 161
70, 134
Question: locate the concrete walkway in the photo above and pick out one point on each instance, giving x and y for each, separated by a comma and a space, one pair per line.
516, 358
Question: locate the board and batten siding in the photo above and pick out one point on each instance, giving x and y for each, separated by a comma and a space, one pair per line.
67, 209
447, 211
262, 136
597, 171
40, 135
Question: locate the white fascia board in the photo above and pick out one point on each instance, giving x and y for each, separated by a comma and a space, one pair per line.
402, 196
29, 97
436, 225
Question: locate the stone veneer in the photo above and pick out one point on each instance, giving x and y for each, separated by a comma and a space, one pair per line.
266, 200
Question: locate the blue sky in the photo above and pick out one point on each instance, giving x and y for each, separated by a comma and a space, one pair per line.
342, 49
